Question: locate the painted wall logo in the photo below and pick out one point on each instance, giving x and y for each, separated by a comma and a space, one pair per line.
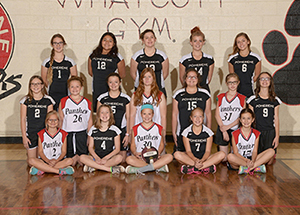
7, 42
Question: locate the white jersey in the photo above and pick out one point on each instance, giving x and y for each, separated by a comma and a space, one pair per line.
52, 144
144, 137
76, 115
149, 100
230, 110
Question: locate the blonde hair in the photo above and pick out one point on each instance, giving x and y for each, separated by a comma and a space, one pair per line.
75, 78
50, 113
97, 122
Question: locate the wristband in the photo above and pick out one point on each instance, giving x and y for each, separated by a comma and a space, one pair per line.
126, 134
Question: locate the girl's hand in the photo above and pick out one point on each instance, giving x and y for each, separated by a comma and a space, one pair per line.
138, 156
52, 162
125, 141
198, 163
103, 161
250, 164
223, 128
275, 142
225, 136
175, 139
98, 160
26, 142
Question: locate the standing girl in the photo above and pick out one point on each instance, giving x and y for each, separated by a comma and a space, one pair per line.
148, 93
147, 134
119, 103
52, 149
34, 108
201, 62
76, 114
104, 60
105, 137
150, 57
184, 101
229, 106
57, 69
265, 105
246, 64
197, 139
245, 142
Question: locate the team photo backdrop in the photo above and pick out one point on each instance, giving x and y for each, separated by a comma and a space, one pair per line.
26, 27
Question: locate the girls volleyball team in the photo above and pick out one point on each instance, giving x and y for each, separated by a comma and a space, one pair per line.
58, 131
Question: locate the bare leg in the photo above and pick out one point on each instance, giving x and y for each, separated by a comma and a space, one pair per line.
88, 160
41, 165
64, 163
134, 161
263, 158
225, 150
183, 158
32, 153
213, 159
235, 161
124, 155
163, 160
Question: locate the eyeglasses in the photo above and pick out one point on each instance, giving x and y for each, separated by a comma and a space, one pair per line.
192, 77
59, 43
265, 79
232, 82
52, 120
35, 84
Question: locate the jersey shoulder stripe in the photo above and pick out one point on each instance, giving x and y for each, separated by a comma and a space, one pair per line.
120, 56
63, 102
115, 129
242, 99
70, 60
138, 53
89, 103
232, 56
46, 61
64, 135
22, 101
134, 128
235, 135
91, 130
251, 98
204, 91
278, 100
50, 98
103, 95
186, 57
162, 54
125, 96
177, 92
207, 130
220, 98
160, 128
207, 55
41, 134
187, 130
255, 55
256, 133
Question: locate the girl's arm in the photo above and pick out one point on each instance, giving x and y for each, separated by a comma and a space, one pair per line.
127, 116
41, 152
207, 149
230, 68
63, 150
165, 68
223, 128
210, 72
92, 151
49, 108
133, 147
254, 153
61, 115
44, 71
121, 69
161, 146
208, 113
218, 117
73, 70
98, 105
257, 70
188, 150
90, 69
236, 152
132, 113
90, 122
174, 120
133, 68
23, 119
276, 122
116, 150
251, 107
163, 111
181, 72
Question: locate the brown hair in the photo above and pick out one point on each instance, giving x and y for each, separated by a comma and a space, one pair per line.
248, 110
271, 91
146, 31
197, 32
186, 74
97, 122
97, 52
155, 93
50, 113
50, 70
114, 74
232, 75
197, 108
30, 94
75, 78
235, 47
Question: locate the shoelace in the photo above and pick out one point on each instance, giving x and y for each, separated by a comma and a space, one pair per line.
138, 173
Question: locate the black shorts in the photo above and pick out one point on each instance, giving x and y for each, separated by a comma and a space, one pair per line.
33, 137
219, 137
265, 140
180, 145
79, 140
122, 135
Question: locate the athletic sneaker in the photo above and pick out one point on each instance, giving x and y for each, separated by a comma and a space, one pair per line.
197, 171
88, 169
243, 170
211, 169
117, 169
187, 169
164, 168
261, 168
66, 171
35, 171
131, 169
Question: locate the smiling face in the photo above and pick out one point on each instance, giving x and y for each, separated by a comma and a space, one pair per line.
104, 114
149, 39
52, 121
232, 83
147, 115
148, 79
242, 43
58, 44
197, 43
114, 83
107, 43
75, 87
197, 117
246, 120
36, 86
264, 80
191, 79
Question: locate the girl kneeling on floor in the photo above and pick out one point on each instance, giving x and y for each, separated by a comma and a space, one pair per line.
147, 134
197, 139
105, 136
245, 143
52, 149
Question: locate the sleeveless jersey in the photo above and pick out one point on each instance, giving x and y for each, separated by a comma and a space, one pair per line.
118, 107
148, 100
52, 144
36, 113
230, 110
244, 67
76, 115
244, 144
197, 142
188, 102
104, 142
144, 137
155, 62
264, 110
201, 66
102, 66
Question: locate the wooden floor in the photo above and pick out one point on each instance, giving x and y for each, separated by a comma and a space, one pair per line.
225, 192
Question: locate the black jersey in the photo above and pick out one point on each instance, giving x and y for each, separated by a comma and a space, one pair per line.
104, 142
264, 110
188, 102
201, 66
197, 142
36, 112
61, 73
244, 67
155, 62
118, 107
